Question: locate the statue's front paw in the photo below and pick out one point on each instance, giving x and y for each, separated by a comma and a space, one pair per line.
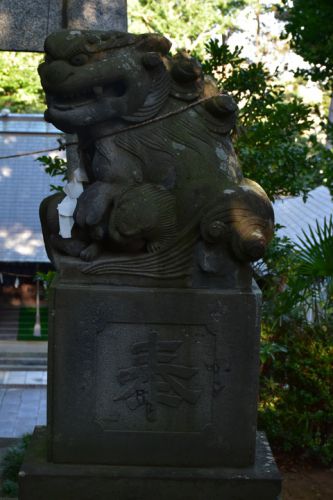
90, 253
67, 246
93, 204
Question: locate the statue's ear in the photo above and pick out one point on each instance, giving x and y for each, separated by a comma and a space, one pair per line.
152, 42
185, 69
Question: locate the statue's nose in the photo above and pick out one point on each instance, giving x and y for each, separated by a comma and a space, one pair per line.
55, 72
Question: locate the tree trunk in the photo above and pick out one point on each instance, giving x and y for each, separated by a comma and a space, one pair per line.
329, 144
258, 30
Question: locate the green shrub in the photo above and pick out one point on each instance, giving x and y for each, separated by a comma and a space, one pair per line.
20, 88
11, 466
296, 394
10, 488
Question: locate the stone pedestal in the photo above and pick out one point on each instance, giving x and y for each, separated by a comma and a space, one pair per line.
152, 376
40, 479
157, 388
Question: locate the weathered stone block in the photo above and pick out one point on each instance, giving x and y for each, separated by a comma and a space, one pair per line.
24, 24
40, 479
145, 376
97, 14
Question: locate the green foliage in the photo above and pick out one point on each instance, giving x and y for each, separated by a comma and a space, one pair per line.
20, 88
277, 143
314, 269
187, 23
298, 278
281, 303
46, 278
296, 395
10, 488
268, 350
55, 167
11, 466
311, 28
314, 252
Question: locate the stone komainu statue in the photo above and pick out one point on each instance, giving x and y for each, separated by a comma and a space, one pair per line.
159, 187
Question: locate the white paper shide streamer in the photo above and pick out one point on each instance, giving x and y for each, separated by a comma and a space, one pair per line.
66, 208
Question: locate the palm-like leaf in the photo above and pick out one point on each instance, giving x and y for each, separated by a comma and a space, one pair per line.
314, 268
315, 252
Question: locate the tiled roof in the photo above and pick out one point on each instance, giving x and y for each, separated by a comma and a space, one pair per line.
296, 215
23, 185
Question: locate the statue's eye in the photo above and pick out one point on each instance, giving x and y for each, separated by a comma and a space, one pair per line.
79, 59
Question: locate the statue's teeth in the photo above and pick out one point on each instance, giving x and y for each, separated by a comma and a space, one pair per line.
98, 91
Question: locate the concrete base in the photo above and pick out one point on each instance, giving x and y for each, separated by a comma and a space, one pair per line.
40, 480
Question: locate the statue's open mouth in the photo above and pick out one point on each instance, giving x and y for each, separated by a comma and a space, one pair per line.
64, 102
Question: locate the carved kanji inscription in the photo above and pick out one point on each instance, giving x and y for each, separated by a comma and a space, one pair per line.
157, 378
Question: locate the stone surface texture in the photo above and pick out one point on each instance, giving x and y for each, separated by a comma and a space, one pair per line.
152, 376
97, 14
154, 320
40, 479
24, 24
158, 175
